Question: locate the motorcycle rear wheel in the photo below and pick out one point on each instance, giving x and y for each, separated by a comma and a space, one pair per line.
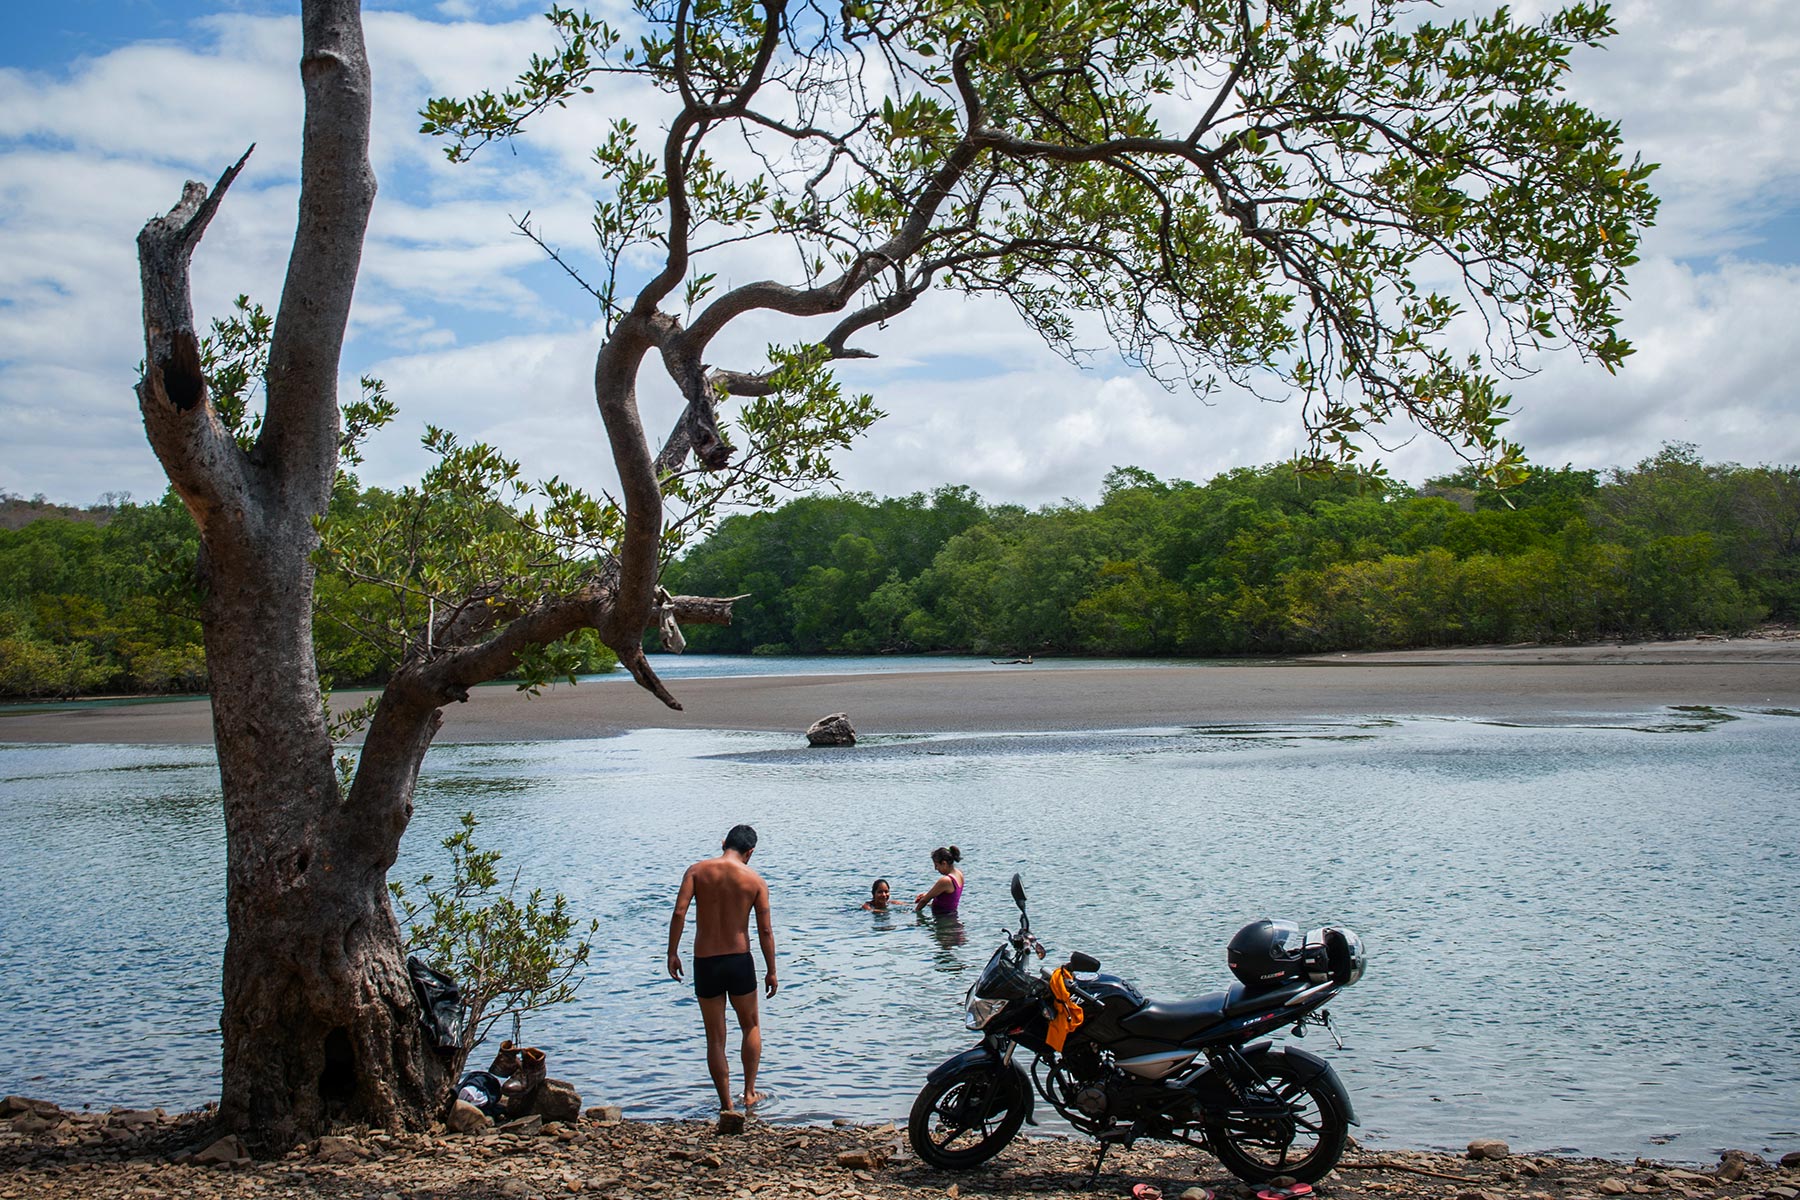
964, 1119
1304, 1145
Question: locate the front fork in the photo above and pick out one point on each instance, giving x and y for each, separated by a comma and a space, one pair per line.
997, 1052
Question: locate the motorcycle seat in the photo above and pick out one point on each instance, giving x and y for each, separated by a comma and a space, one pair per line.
1174, 1020
1241, 1000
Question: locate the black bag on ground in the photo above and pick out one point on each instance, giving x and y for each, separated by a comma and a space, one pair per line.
440, 1002
482, 1089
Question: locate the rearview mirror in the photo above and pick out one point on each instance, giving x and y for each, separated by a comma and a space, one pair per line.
1018, 892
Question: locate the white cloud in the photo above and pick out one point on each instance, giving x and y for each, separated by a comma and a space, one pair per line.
1706, 88
475, 332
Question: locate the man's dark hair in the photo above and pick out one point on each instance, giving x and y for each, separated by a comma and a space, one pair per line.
742, 838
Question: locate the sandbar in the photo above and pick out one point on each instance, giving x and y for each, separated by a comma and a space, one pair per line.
1527, 683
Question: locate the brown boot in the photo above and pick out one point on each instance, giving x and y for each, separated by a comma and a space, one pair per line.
506, 1063
521, 1089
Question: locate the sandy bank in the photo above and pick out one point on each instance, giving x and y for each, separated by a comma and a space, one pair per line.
1532, 683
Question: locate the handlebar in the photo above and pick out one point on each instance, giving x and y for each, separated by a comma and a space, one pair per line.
1023, 941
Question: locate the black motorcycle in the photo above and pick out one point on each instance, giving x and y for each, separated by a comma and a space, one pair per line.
1120, 1067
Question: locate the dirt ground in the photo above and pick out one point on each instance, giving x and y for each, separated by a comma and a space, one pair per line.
150, 1156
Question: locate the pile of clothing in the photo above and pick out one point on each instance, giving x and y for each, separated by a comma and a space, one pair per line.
509, 1086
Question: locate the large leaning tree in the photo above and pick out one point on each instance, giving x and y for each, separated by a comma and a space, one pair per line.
1329, 201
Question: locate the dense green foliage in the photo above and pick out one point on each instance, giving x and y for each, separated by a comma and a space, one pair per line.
1256, 561
92, 602
1265, 561
102, 601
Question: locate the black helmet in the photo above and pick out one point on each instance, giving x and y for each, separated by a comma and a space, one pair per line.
1265, 953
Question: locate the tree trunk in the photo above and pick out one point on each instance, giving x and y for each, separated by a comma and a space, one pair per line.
320, 1021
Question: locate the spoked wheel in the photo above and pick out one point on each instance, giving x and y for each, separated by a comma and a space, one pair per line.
964, 1119
1305, 1143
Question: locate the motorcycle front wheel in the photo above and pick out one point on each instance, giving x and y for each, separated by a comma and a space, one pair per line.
1305, 1144
965, 1118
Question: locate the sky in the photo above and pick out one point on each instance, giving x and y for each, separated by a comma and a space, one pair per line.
106, 106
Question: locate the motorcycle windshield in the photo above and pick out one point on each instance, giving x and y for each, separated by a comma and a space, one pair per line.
1001, 979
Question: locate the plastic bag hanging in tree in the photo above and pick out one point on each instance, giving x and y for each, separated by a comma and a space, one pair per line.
440, 1003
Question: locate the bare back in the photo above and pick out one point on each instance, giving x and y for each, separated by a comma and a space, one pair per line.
726, 891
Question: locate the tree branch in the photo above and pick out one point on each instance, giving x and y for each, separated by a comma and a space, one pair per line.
199, 454
299, 439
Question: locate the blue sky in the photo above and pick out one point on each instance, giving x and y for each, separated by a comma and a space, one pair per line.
105, 107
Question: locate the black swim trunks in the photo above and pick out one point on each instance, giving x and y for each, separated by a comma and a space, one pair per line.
717, 974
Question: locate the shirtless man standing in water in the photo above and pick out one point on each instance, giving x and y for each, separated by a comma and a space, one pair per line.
727, 890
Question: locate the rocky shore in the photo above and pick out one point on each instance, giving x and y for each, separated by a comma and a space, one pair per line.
49, 1154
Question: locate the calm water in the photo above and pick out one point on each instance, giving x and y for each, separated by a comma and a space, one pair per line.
1582, 938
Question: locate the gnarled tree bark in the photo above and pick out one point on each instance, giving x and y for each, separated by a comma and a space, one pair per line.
319, 1019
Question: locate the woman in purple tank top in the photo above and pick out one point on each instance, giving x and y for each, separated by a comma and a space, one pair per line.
946, 893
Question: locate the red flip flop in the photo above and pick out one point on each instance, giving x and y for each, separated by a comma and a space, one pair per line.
1146, 1191
1287, 1193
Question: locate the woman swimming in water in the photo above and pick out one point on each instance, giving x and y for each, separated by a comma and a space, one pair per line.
946, 893
878, 896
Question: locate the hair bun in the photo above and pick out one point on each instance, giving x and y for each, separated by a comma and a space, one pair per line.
955, 854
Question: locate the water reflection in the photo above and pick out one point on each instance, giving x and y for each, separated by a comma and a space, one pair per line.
948, 932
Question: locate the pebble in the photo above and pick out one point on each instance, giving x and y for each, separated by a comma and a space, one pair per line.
1677, 1175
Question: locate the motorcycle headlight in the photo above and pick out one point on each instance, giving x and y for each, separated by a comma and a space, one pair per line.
979, 1010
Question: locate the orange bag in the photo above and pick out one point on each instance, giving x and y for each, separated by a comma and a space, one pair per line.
1068, 1016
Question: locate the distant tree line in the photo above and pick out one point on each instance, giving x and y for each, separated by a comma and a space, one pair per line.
1264, 561
103, 600
1256, 561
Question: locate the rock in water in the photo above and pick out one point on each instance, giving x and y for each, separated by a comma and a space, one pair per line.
557, 1100
1489, 1148
731, 1122
834, 730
